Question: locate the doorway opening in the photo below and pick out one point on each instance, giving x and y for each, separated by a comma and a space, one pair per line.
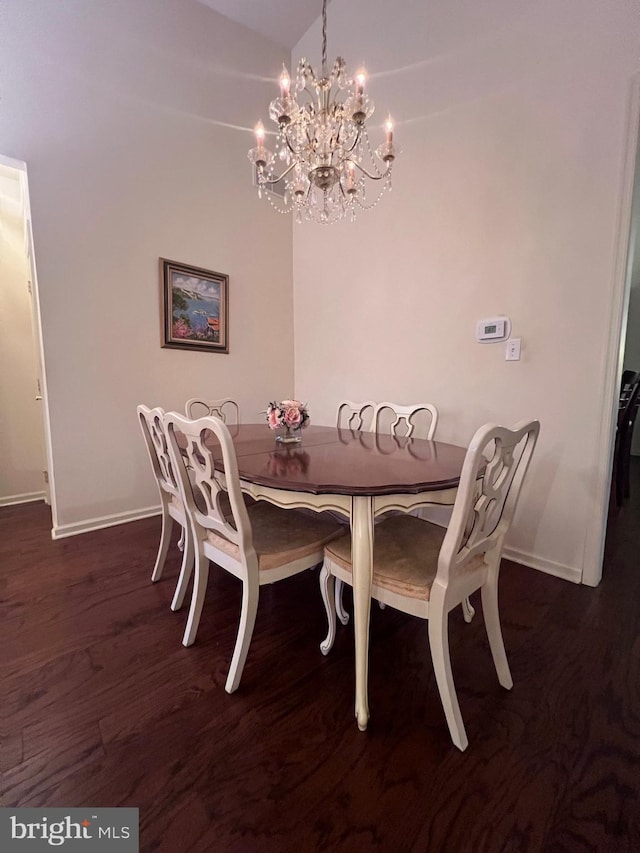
627, 439
620, 354
25, 446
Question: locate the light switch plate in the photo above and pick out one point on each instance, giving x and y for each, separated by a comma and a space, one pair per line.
513, 349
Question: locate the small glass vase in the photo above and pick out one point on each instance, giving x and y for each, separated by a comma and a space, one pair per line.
289, 435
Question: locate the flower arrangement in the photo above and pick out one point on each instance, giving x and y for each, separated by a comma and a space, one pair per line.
291, 414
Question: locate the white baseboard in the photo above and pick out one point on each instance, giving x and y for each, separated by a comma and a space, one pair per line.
549, 567
440, 516
61, 531
558, 570
26, 498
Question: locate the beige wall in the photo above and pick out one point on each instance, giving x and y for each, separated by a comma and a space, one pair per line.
632, 331
21, 434
511, 119
126, 115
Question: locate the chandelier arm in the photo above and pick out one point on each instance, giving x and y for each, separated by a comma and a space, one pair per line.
355, 142
306, 92
369, 175
283, 175
290, 146
309, 139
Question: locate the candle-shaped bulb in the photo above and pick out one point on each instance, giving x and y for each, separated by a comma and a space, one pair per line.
285, 82
361, 79
259, 132
388, 126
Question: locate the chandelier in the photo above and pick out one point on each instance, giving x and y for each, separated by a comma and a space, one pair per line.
322, 148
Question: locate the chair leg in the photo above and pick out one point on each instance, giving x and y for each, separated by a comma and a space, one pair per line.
468, 610
494, 632
188, 557
343, 616
197, 596
627, 465
627, 479
439, 642
165, 541
619, 473
327, 583
250, 596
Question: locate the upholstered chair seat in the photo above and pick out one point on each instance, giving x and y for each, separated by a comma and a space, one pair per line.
405, 556
280, 536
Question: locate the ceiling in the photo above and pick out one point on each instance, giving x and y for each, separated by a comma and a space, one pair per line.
282, 21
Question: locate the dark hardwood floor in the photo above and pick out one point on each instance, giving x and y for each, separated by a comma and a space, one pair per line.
101, 705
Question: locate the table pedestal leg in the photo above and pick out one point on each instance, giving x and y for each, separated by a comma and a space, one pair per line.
362, 562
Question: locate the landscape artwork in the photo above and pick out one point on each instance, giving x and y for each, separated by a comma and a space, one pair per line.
194, 307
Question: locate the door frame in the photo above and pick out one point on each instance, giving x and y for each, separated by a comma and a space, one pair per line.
21, 166
613, 355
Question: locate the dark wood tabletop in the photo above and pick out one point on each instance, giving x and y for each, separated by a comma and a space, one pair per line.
344, 462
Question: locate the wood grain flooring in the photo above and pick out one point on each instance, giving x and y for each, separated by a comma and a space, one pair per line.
101, 705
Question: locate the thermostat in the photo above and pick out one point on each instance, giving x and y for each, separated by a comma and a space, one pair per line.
493, 329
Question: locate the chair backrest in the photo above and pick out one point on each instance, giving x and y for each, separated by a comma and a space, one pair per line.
495, 465
155, 438
206, 465
358, 416
416, 421
629, 391
226, 409
628, 377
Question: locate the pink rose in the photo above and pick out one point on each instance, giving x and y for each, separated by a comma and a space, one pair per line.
274, 419
293, 417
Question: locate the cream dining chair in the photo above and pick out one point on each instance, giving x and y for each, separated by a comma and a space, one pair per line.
418, 420
357, 416
172, 506
408, 421
226, 409
259, 544
426, 570
414, 421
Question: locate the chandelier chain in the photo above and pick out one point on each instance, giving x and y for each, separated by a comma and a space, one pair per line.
324, 36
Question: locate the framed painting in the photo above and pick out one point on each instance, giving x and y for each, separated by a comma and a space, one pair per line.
194, 307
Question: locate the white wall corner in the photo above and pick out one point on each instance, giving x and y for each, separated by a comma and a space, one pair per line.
549, 567
62, 531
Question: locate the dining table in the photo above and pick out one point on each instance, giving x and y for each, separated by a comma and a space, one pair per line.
359, 475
